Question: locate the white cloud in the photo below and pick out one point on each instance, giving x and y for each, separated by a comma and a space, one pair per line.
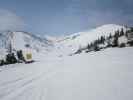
97, 18
10, 21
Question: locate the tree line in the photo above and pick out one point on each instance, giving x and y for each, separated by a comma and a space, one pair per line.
106, 41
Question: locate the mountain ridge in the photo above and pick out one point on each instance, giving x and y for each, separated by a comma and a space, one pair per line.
69, 43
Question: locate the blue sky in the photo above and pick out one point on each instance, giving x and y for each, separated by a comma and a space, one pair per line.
58, 17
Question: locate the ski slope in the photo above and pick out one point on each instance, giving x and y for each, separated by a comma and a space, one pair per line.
103, 75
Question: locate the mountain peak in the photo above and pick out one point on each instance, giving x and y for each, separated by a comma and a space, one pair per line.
109, 27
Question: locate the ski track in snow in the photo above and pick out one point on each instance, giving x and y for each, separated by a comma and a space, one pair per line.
16, 87
103, 75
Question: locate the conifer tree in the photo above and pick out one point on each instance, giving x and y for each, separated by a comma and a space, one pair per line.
122, 32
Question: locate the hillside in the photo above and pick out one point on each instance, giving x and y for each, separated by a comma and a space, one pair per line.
104, 75
75, 41
22, 39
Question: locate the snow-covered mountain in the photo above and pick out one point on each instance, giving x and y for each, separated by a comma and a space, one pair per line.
23, 39
80, 40
63, 45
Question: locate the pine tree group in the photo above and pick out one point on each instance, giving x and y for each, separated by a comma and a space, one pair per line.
12, 59
106, 42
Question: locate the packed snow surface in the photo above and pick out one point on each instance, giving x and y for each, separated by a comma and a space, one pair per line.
103, 75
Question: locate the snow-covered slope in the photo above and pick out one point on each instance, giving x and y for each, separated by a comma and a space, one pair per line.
22, 39
80, 40
104, 75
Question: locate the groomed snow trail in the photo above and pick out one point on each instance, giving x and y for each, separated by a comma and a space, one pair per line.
26, 81
103, 75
